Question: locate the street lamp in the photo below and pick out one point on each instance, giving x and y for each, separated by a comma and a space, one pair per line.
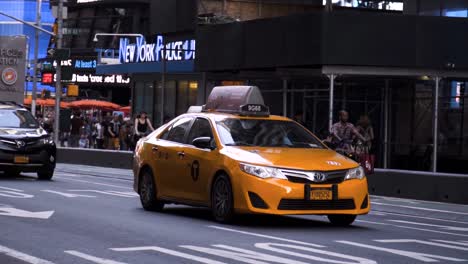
95, 39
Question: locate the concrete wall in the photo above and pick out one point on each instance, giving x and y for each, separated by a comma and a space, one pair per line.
441, 187
103, 158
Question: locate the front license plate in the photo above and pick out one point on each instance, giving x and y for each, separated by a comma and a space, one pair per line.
21, 159
321, 195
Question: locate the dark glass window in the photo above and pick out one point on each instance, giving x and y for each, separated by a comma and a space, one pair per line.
177, 132
201, 128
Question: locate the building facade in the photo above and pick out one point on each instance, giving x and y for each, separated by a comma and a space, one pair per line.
26, 10
401, 63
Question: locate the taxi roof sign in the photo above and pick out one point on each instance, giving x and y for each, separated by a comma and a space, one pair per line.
244, 100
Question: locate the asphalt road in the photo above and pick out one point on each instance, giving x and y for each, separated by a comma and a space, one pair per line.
91, 215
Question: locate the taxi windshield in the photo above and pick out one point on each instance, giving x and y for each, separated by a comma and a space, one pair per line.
265, 133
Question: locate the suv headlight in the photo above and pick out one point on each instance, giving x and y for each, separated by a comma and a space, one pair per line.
262, 172
356, 173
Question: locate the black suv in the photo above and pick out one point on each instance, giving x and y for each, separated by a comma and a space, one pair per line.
24, 145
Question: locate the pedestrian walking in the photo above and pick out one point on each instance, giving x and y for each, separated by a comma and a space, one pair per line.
114, 132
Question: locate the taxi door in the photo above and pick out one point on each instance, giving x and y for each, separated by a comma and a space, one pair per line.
170, 157
201, 163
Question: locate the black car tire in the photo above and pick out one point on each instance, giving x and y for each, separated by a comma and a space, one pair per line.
148, 192
12, 173
341, 220
222, 199
46, 174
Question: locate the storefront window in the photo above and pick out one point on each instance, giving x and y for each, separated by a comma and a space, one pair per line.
143, 93
453, 127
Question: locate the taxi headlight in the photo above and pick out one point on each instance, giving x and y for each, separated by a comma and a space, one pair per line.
262, 172
356, 173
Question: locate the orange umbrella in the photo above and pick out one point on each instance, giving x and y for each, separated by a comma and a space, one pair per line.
45, 102
126, 109
94, 104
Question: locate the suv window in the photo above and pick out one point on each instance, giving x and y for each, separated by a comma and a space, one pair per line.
201, 128
177, 131
17, 119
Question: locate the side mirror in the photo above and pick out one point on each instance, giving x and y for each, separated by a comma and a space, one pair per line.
203, 143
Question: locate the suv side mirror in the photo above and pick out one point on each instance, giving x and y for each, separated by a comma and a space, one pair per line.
203, 143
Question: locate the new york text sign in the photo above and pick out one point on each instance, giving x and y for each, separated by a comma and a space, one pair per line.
141, 51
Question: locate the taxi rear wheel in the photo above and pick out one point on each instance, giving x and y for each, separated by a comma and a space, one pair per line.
222, 202
148, 193
341, 220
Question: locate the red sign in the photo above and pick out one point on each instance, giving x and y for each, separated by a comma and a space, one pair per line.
47, 78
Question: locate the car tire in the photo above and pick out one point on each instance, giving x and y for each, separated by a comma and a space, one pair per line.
46, 174
222, 199
341, 220
148, 192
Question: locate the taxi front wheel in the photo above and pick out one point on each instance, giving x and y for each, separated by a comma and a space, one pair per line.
341, 220
222, 202
148, 193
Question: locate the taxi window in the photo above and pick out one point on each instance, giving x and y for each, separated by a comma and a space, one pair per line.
201, 128
265, 133
177, 132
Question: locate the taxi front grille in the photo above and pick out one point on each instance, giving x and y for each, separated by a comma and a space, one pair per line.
301, 204
305, 177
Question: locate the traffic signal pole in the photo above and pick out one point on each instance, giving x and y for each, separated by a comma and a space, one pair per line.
58, 81
36, 54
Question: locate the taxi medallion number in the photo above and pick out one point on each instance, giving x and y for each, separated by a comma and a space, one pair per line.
321, 194
21, 159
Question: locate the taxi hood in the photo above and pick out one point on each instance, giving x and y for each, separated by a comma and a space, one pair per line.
291, 158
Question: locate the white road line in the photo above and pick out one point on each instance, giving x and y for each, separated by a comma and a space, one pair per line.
22, 256
407, 200
266, 236
68, 195
410, 254
428, 218
421, 208
421, 242
171, 252
92, 258
370, 222
450, 228
96, 183
10, 189
460, 243
415, 228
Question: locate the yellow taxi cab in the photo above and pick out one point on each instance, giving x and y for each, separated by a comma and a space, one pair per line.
232, 156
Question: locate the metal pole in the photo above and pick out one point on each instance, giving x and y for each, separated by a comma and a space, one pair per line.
330, 110
436, 124
285, 97
385, 145
58, 82
163, 81
36, 54
27, 23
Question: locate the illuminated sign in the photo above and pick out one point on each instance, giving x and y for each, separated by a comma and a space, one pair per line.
85, 64
152, 52
47, 78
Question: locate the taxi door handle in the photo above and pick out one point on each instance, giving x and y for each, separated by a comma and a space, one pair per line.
154, 148
181, 154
